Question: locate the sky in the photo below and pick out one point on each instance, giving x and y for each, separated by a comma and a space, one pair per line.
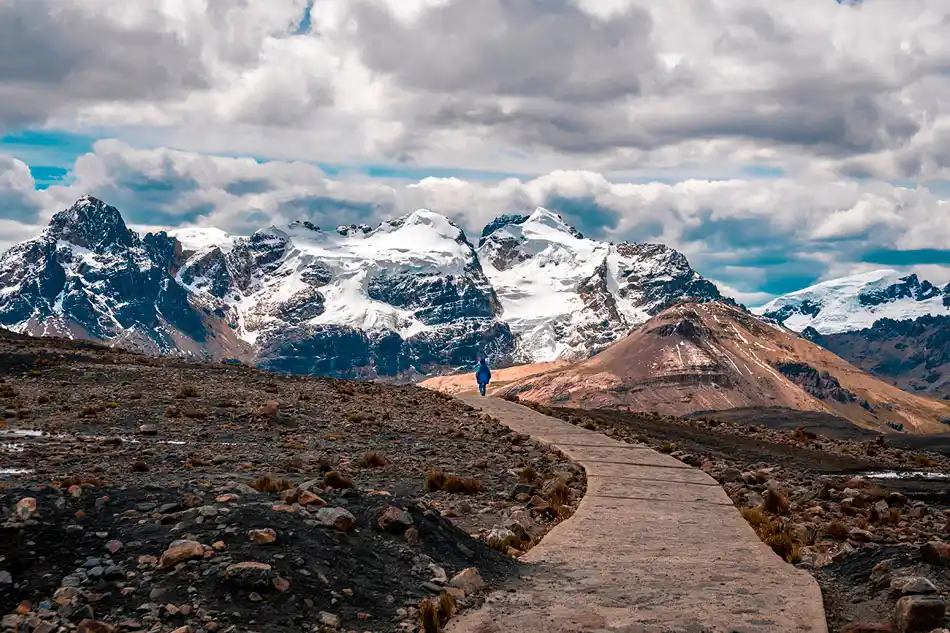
775, 144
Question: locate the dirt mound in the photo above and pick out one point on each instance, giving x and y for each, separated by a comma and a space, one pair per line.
125, 454
714, 356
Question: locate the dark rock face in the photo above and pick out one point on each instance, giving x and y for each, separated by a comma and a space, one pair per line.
909, 287
348, 352
822, 385
88, 270
782, 314
913, 355
436, 299
656, 277
499, 222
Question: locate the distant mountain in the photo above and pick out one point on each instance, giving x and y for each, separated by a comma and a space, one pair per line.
714, 356
407, 297
912, 354
855, 303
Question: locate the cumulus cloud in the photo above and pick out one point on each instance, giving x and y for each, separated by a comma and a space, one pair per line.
619, 86
756, 237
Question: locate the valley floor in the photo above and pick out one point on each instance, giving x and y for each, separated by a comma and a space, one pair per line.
150, 494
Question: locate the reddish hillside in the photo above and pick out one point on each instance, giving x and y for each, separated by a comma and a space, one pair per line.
699, 357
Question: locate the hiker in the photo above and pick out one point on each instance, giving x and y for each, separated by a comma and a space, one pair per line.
482, 375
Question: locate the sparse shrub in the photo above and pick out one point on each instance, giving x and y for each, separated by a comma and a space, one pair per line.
429, 616
667, 448
140, 467
271, 388
112, 405
372, 459
434, 481
894, 516
756, 518
775, 502
172, 412
528, 475
7, 391
358, 416
446, 606
785, 546
922, 460
801, 435
91, 410
461, 485
269, 482
335, 479
35, 372
325, 464
559, 495
589, 425
187, 391
194, 413
837, 530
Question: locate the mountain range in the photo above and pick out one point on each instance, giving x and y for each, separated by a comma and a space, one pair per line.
410, 296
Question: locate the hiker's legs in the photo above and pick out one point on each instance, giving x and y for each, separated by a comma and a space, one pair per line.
481, 388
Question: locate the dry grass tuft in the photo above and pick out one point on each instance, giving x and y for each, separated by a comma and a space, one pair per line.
268, 482
194, 413
773, 534
837, 530
461, 485
446, 606
434, 481
775, 502
372, 459
429, 616
667, 448
187, 391
922, 460
528, 475
7, 391
559, 495
335, 479
358, 416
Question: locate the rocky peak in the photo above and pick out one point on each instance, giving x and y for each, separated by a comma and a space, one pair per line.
499, 222
544, 218
92, 224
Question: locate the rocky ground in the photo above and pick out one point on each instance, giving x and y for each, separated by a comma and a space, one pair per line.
880, 548
148, 494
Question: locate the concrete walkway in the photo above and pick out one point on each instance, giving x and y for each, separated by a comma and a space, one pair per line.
655, 546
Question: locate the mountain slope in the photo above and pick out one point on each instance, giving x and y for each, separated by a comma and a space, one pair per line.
913, 355
566, 296
713, 356
857, 302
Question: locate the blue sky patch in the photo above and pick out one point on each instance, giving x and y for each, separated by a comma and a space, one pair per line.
47, 148
917, 257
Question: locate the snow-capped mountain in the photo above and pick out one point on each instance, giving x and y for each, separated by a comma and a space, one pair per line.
857, 302
567, 296
410, 295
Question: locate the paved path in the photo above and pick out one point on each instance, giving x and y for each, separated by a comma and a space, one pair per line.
655, 546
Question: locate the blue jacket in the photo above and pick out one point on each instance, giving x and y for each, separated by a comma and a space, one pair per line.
483, 373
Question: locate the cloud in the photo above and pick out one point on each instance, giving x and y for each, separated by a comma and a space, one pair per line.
753, 235
57, 56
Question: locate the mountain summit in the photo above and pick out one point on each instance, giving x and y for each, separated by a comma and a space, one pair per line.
713, 357
412, 295
854, 303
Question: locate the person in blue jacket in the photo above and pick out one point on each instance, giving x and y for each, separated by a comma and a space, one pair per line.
482, 375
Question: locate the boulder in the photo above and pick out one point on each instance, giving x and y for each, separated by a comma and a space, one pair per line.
395, 520
919, 614
249, 575
468, 580
936, 553
336, 518
180, 551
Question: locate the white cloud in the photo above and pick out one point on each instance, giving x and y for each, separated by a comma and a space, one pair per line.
753, 236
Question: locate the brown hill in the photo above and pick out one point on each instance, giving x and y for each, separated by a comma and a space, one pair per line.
713, 357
